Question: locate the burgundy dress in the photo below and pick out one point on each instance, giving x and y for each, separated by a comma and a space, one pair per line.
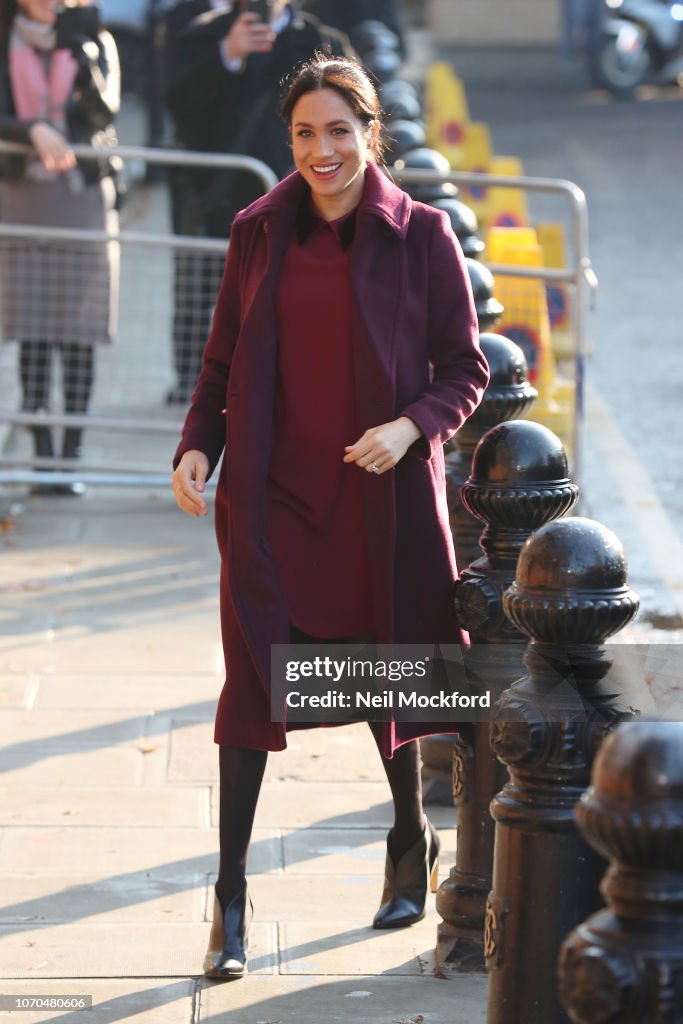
315, 526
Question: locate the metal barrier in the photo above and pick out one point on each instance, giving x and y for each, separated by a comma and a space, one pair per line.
575, 285
113, 388
162, 277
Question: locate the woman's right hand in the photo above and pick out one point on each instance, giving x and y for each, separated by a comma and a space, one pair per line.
51, 147
248, 35
189, 480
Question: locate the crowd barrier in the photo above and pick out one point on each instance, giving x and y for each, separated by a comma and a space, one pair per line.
158, 271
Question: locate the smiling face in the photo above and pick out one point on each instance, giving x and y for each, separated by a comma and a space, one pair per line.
42, 11
331, 147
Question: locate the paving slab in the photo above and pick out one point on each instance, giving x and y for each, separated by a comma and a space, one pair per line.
120, 951
354, 1000
65, 729
123, 641
113, 806
321, 804
113, 851
182, 694
193, 756
55, 767
346, 851
331, 948
152, 1001
344, 753
132, 898
16, 690
291, 897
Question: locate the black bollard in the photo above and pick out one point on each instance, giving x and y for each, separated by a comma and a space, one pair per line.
519, 482
569, 595
625, 964
507, 397
489, 309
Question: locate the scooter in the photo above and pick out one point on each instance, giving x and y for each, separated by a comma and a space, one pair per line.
640, 41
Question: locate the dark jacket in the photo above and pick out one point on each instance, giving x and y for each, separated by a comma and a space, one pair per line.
347, 14
220, 111
413, 307
90, 112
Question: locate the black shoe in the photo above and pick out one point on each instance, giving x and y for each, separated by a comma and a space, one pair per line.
226, 956
404, 898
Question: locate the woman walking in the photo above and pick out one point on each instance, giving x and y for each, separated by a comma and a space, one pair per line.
343, 354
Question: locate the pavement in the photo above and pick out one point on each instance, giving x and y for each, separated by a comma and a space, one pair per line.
111, 667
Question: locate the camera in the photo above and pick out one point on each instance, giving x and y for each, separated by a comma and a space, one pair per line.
259, 7
76, 24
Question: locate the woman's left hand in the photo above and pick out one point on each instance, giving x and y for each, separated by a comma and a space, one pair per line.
51, 146
380, 448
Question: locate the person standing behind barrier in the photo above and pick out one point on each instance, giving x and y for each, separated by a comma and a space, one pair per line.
58, 84
222, 71
345, 347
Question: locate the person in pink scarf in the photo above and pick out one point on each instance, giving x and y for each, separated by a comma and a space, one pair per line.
57, 299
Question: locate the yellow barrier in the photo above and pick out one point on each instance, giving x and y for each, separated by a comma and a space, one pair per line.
552, 239
446, 113
506, 207
477, 158
526, 322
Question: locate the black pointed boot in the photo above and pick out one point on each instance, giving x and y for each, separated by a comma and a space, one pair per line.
406, 884
226, 956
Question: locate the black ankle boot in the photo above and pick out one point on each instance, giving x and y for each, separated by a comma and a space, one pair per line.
226, 956
404, 898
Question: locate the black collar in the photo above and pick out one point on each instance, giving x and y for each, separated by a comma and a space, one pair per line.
308, 221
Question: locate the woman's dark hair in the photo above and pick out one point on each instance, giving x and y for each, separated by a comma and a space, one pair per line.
342, 75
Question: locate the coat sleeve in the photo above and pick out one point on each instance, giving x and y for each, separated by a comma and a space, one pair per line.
204, 428
459, 369
197, 78
96, 96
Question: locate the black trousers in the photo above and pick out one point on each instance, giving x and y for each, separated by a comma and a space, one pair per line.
35, 369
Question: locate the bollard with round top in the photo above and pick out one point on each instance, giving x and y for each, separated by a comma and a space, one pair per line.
425, 159
507, 397
519, 481
402, 136
570, 594
625, 964
464, 223
489, 309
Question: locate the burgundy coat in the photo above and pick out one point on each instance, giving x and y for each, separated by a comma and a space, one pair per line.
413, 308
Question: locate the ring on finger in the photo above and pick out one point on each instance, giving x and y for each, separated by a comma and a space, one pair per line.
374, 467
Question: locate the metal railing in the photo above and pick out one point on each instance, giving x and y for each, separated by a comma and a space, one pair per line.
159, 271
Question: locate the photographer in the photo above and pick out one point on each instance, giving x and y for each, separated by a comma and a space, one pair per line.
59, 83
223, 72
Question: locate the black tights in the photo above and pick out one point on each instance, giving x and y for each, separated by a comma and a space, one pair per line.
241, 774
35, 368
